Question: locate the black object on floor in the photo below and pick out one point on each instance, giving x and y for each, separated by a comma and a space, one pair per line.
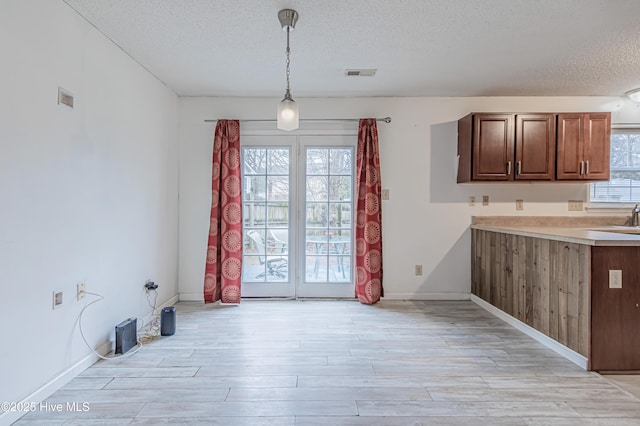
126, 335
168, 321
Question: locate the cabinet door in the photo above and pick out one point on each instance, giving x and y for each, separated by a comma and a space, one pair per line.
597, 141
535, 146
569, 146
615, 312
493, 147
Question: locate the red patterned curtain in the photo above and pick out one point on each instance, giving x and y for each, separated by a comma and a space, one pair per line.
369, 215
224, 252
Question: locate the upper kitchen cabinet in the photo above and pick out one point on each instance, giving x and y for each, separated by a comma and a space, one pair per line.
506, 147
535, 146
583, 146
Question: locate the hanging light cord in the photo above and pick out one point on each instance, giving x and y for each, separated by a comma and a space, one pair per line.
287, 94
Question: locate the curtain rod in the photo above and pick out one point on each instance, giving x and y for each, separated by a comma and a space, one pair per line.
385, 119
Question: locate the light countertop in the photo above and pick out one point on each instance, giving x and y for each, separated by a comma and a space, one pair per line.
588, 232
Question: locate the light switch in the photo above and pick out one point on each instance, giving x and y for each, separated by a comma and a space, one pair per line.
384, 194
615, 278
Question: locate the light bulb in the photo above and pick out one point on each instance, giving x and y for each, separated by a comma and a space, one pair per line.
288, 115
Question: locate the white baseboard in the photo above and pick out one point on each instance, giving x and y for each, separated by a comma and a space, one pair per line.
56, 383
192, 297
559, 348
426, 296
65, 377
170, 302
198, 297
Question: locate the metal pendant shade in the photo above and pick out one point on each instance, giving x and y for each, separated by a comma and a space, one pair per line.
288, 115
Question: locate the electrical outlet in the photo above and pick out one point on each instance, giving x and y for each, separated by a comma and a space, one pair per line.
485, 200
384, 194
57, 299
418, 269
150, 285
80, 291
472, 201
575, 206
519, 204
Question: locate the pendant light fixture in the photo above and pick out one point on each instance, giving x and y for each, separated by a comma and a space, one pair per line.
288, 115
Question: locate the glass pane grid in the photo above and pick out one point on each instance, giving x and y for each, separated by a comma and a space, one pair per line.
266, 207
624, 183
328, 215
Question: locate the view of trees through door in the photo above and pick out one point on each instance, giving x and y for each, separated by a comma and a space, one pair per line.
266, 213
328, 214
298, 217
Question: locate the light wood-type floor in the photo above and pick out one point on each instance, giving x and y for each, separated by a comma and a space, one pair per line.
343, 363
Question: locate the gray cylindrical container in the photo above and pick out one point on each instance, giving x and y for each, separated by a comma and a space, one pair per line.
168, 321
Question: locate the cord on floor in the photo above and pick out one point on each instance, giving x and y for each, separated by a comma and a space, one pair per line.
152, 327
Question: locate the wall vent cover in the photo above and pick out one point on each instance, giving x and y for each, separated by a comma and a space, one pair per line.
65, 97
360, 72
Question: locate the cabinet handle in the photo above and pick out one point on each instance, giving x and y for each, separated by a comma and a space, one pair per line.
519, 167
581, 167
587, 166
508, 168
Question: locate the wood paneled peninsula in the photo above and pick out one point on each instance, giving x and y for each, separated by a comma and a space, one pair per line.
574, 279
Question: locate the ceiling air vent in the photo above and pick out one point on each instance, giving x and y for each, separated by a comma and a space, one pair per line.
360, 73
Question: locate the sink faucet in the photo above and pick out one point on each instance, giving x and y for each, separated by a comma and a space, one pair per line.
633, 221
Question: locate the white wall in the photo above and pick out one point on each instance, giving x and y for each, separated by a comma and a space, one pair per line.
427, 217
86, 194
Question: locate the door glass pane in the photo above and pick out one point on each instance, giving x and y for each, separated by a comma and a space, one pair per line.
266, 214
341, 161
328, 212
317, 216
278, 161
317, 162
278, 188
254, 161
340, 215
317, 188
340, 188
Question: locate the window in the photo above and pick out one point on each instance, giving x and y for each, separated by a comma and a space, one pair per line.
624, 183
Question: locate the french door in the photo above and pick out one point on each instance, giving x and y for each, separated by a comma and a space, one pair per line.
298, 216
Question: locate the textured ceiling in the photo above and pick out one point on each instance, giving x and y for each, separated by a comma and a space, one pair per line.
420, 47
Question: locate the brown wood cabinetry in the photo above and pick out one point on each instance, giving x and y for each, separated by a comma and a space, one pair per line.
506, 147
615, 312
524, 146
535, 146
492, 147
583, 146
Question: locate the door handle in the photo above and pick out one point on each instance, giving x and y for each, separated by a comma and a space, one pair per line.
508, 168
581, 167
587, 166
519, 167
